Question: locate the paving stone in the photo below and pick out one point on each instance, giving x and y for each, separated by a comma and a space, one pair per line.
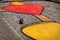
5, 32
51, 11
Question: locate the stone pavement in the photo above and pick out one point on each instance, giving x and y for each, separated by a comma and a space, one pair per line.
5, 32
11, 19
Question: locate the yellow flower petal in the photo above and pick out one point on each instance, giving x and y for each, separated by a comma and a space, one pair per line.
43, 31
17, 3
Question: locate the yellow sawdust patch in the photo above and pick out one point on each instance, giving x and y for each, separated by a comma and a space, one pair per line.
17, 3
43, 31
